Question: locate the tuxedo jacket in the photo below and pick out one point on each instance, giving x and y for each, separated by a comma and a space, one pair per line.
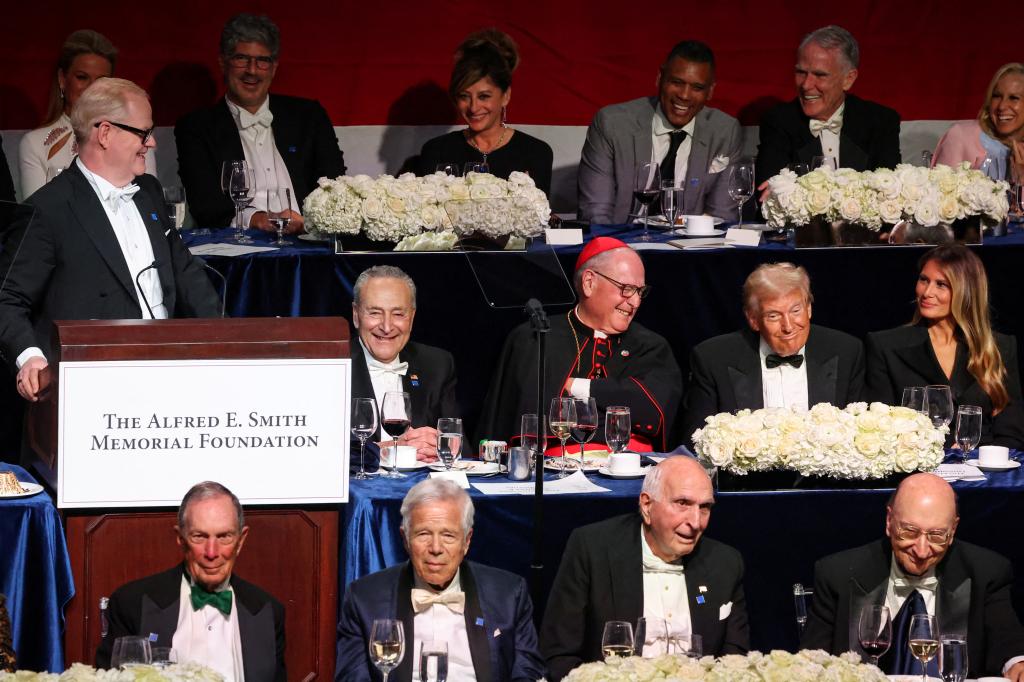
499, 624
150, 606
973, 597
903, 357
869, 139
619, 140
6, 182
725, 374
207, 138
601, 579
66, 264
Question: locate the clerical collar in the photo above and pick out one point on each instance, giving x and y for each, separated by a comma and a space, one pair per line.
662, 126
596, 333
454, 586
370, 358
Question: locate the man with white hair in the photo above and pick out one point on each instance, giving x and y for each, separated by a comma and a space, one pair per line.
483, 614
100, 245
654, 564
781, 361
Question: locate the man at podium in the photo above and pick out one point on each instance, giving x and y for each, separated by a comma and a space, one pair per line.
100, 245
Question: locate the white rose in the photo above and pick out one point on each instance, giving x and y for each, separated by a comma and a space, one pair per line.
850, 209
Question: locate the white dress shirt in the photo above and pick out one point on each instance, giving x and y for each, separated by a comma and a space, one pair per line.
660, 141
785, 385
209, 637
385, 377
830, 136
438, 623
666, 606
261, 155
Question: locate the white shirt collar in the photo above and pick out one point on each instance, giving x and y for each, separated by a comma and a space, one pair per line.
662, 126
454, 586
765, 350
372, 361
237, 111
647, 555
103, 188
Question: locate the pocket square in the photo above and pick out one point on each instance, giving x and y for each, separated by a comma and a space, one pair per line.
497, 632
724, 610
718, 164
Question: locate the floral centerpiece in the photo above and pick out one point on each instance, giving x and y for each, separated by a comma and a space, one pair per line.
79, 672
858, 442
428, 212
777, 666
927, 197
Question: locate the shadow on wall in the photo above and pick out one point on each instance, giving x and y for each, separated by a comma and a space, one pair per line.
424, 103
180, 88
17, 110
750, 114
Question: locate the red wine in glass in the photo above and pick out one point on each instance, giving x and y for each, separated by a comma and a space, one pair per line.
646, 196
395, 427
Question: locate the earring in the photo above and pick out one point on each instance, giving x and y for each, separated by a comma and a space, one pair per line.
61, 92
504, 117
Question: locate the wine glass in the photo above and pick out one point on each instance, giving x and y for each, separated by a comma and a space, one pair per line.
617, 427
561, 420
953, 658
646, 189
938, 404
395, 411
279, 208
617, 639
924, 640
968, 428
449, 441
449, 168
364, 425
586, 424
476, 167
238, 182
741, 186
387, 645
131, 651
434, 661
671, 202
913, 397
824, 161
163, 656
689, 645
874, 630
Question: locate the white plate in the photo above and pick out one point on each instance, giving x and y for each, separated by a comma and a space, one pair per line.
662, 221
635, 474
306, 237
683, 232
30, 490
590, 463
416, 467
992, 467
471, 467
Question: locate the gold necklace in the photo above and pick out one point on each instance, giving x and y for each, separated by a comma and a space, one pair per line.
474, 145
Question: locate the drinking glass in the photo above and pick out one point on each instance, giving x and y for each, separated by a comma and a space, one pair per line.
387, 645
476, 167
671, 202
449, 441
532, 437
174, 201
924, 640
586, 424
938, 405
654, 630
646, 190
926, 158
364, 425
238, 182
953, 658
689, 645
617, 639
617, 427
448, 168
163, 656
874, 630
279, 208
130, 651
824, 161
741, 186
561, 420
968, 428
799, 168
394, 420
434, 661
53, 172
913, 397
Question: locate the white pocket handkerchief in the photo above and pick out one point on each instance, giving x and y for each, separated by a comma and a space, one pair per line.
724, 610
718, 164
497, 632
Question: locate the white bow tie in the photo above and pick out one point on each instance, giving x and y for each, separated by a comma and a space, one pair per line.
834, 124
263, 118
909, 583
121, 195
656, 565
377, 368
424, 599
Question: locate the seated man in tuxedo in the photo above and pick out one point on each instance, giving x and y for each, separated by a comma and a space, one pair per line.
198, 608
781, 361
824, 120
100, 245
287, 141
383, 309
593, 351
918, 569
484, 614
693, 144
655, 564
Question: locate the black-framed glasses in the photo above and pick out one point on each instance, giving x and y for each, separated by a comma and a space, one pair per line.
144, 135
627, 290
241, 61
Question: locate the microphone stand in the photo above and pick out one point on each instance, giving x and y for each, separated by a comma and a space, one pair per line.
539, 322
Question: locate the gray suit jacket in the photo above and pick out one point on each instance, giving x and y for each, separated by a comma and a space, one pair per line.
619, 139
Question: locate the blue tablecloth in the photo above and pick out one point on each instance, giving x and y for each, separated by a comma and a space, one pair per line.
780, 533
35, 574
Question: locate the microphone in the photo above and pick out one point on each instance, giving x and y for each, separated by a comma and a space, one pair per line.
535, 310
154, 264
224, 284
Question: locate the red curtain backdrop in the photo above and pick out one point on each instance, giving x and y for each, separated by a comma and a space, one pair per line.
375, 63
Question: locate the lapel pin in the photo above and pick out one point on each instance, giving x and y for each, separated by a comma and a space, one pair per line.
292, 149
414, 379
700, 598
153, 636
153, 217
703, 588
480, 622
625, 353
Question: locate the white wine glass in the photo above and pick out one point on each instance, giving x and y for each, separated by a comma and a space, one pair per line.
617, 639
874, 631
364, 425
387, 645
586, 424
449, 441
130, 651
617, 427
968, 429
938, 404
561, 420
646, 190
741, 186
923, 640
395, 418
279, 209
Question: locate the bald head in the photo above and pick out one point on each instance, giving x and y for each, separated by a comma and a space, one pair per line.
675, 505
921, 522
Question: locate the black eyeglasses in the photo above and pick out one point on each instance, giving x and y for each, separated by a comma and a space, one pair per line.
241, 61
144, 135
627, 290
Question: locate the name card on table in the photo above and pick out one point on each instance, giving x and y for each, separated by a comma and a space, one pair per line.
566, 236
739, 236
456, 476
141, 433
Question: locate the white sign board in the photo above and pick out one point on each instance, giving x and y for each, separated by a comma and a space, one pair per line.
141, 433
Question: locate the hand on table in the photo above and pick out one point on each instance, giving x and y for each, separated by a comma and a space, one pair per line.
424, 439
764, 190
261, 221
28, 378
1016, 672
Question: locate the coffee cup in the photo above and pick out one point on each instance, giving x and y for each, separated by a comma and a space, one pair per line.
624, 463
993, 455
700, 224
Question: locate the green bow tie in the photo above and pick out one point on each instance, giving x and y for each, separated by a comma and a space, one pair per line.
218, 600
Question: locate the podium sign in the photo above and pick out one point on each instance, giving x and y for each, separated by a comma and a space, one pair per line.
140, 433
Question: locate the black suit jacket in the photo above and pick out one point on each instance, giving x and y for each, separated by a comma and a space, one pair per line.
70, 266
725, 374
6, 183
601, 579
973, 597
207, 138
150, 605
903, 356
869, 139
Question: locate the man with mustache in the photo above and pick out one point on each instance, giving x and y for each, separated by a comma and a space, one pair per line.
287, 141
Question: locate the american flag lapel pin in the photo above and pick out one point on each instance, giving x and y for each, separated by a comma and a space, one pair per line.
414, 379
625, 353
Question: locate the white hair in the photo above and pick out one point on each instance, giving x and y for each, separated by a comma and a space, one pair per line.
104, 100
436, 490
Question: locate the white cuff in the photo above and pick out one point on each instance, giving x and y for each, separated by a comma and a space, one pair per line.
1010, 663
580, 388
28, 354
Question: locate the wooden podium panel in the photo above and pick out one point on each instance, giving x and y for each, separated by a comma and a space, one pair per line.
290, 553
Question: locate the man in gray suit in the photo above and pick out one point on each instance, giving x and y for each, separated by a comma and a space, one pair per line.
693, 144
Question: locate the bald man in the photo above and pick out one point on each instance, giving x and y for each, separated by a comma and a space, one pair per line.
654, 564
919, 569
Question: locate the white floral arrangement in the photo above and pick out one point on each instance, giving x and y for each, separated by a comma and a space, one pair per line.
393, 209
79, 672
777, 666
857, 442
924, 196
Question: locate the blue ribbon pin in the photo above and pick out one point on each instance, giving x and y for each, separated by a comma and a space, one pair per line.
480, 622
153, 217
700, 598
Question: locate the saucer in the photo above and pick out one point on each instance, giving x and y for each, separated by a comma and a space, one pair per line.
992, 467
683, 232
625, 474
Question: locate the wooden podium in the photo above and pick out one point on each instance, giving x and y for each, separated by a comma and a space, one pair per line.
291, 552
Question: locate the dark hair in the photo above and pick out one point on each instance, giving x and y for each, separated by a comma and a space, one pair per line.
489, 53
249, 28
83, 41
692, 51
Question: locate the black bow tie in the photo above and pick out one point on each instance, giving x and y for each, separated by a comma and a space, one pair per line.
774, 360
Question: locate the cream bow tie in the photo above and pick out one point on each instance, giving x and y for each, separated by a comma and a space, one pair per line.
424, 599
834, 124
121, 195
656, 565
247, 120
908, 583
377, 368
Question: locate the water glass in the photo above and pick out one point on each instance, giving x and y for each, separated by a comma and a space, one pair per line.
671, 201
434, 661
689, 645
938, 404
174, 199
617, 639
968, 428
953, 658
449, 441
279, 210
450, 168
476, 167
131, 651
653, 631
164, 656
617, 427
387, 645
913, 397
